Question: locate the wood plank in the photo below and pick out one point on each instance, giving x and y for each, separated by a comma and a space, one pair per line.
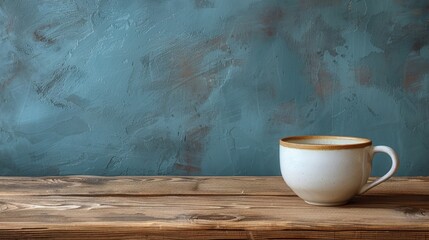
78, 207
384, 213
133, 233
158, 186
143, 186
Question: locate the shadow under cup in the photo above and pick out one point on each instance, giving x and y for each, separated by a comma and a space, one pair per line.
330, 170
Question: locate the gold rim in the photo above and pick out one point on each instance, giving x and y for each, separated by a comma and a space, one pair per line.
360, 142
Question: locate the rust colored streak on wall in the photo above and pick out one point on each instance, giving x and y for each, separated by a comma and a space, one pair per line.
285, 114
325, 84
415, 71
190, 68
193, 149
39, 35
363, 75
270, 19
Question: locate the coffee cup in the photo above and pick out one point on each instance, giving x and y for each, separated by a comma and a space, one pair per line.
330, 170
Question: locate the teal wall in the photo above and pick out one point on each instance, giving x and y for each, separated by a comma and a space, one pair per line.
207, 87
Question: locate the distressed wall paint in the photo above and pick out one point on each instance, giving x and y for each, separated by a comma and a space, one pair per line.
207, 87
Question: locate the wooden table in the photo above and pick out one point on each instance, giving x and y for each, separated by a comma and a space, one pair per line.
82, 207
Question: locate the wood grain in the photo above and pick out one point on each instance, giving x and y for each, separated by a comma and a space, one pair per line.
133, 233
78, 207
156, 185
143, 186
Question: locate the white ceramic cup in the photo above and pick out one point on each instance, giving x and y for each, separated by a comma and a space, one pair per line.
330, 170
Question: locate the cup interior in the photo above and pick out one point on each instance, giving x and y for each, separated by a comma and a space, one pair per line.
324, 142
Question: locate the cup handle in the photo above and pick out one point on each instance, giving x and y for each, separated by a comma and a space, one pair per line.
395, 165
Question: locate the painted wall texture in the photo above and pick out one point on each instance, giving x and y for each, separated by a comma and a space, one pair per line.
207, 87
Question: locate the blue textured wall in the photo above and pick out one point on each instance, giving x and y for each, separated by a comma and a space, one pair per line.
207, 87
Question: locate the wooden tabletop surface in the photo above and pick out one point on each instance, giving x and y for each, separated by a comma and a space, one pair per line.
82, 207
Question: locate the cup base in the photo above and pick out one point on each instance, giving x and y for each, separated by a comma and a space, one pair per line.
324, 204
